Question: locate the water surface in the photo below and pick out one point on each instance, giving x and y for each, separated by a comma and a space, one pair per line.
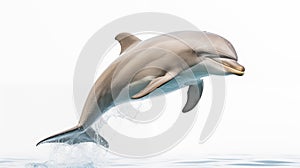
236, 161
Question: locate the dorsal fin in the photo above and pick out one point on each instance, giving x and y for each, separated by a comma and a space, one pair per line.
126, 40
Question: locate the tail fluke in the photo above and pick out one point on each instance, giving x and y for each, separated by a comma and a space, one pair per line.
76, 135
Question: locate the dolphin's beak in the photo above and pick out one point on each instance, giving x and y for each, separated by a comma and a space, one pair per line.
230, 65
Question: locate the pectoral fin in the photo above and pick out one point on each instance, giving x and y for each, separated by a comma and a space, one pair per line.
155, 83
193, 96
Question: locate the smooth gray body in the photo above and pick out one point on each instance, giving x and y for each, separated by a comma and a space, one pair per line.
168, 62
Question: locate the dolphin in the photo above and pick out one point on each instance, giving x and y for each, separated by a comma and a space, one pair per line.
165, 63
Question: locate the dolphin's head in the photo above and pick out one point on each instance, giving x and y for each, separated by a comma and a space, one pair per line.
221, 58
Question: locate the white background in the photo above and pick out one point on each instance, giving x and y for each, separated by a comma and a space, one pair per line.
40, 43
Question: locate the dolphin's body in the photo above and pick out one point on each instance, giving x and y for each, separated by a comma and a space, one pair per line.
168, 62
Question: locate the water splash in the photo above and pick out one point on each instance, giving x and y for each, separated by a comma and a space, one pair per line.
92, 157
85, 155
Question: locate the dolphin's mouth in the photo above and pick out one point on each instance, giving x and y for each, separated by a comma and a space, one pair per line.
230, 65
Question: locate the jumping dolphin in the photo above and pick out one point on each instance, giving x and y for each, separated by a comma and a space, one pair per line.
168, 62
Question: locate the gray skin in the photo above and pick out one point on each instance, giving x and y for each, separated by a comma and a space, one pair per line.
168, 62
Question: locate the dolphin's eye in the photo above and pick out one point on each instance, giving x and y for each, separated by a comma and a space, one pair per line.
202, 53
